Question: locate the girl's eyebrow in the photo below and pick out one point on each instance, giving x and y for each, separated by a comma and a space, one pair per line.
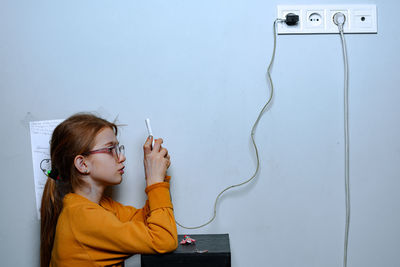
111, 143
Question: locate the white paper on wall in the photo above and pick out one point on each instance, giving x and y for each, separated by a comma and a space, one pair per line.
41, 132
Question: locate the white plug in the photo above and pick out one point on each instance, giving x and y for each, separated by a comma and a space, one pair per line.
339, 19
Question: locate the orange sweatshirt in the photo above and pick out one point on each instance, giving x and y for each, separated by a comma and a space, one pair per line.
89, 234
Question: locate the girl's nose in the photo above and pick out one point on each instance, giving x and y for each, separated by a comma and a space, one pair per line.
121, 158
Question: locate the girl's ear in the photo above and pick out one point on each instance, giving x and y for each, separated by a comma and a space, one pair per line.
81, 165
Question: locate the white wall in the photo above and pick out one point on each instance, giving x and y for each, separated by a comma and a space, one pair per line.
197, 69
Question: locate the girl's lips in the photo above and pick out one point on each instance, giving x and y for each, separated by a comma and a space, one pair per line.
121, 171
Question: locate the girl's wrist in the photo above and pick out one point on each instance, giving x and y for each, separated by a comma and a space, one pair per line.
154, 181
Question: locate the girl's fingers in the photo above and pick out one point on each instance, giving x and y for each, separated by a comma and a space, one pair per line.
147, 145
164, 152
157, 144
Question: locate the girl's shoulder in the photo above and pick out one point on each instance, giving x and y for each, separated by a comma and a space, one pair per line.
107, 202
110, 204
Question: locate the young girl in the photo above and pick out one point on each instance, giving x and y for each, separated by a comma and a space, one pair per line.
80, 226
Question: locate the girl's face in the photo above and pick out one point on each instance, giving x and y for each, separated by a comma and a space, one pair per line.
106, 168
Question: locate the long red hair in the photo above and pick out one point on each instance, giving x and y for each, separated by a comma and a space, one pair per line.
72, 137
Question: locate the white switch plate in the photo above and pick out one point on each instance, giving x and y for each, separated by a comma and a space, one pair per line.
319, 19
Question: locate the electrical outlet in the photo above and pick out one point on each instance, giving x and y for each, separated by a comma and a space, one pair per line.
319, 19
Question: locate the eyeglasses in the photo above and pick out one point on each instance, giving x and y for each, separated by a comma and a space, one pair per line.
119, 151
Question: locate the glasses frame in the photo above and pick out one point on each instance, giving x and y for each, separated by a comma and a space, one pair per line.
119, 150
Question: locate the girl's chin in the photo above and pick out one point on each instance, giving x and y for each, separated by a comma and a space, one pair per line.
116, 181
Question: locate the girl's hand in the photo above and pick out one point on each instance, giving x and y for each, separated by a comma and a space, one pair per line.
156, 161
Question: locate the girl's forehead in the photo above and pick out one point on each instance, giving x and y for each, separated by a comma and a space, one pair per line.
105, 137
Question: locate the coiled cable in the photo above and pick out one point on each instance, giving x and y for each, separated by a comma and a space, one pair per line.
253, 130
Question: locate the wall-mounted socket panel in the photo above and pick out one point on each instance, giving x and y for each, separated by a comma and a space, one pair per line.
319, 19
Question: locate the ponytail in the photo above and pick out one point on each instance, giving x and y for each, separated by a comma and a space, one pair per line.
50, 210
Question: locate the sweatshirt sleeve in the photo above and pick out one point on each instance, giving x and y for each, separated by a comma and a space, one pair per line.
129, 213
124, 213
149, 231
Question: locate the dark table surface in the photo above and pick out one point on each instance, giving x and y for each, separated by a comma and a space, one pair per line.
209, 250
216, 243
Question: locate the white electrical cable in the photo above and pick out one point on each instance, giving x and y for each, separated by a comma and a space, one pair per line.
252, 137
339, 19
